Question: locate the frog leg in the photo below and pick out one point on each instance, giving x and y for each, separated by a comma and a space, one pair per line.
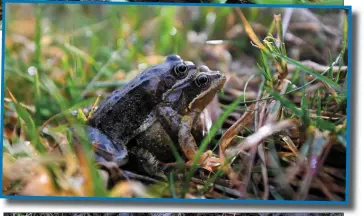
106, 149
148, 162
187, 141
181, 128
169, 118
113, 170
151, 118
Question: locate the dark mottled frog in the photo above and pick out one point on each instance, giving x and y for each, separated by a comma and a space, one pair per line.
116, 120
173, 122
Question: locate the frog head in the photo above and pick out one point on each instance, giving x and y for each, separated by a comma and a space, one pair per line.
206, 85
196, 91
162, 77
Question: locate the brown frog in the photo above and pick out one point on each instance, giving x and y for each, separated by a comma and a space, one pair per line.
173, 121
117, 119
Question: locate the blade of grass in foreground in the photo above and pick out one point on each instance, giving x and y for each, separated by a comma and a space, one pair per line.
282, 47
285, 102
302, 113
31, 131
207, 139
309, 71
94, 184
37, 60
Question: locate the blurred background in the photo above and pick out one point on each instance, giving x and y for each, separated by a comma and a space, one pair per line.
74, 44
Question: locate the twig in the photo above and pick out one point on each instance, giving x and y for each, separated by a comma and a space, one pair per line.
286, 19
138, 177
253, 150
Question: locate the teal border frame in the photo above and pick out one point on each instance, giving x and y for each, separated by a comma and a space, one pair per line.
176, 200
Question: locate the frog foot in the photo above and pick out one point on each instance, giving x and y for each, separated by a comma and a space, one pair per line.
207, 161
114, 170
205, 156
212, 164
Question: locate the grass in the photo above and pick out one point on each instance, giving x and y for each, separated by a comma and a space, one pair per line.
279, 125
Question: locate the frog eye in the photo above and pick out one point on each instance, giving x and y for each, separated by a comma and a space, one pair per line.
180, 70
202, 80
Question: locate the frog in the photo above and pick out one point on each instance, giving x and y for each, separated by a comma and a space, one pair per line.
117, 119
174, 123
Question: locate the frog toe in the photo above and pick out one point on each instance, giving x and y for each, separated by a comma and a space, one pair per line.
122, 159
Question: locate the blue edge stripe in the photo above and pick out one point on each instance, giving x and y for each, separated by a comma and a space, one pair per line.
156, 200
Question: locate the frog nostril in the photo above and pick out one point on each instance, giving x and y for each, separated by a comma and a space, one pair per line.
218, 76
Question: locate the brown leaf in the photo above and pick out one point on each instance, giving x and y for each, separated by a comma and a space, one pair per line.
231, 133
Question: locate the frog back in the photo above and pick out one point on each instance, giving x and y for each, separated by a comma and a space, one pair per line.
124, 110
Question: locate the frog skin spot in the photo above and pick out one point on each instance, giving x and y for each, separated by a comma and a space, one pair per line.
143, 76
169, 81
116, 97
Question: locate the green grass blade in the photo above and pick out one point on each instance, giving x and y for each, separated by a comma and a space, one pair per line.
311, 72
